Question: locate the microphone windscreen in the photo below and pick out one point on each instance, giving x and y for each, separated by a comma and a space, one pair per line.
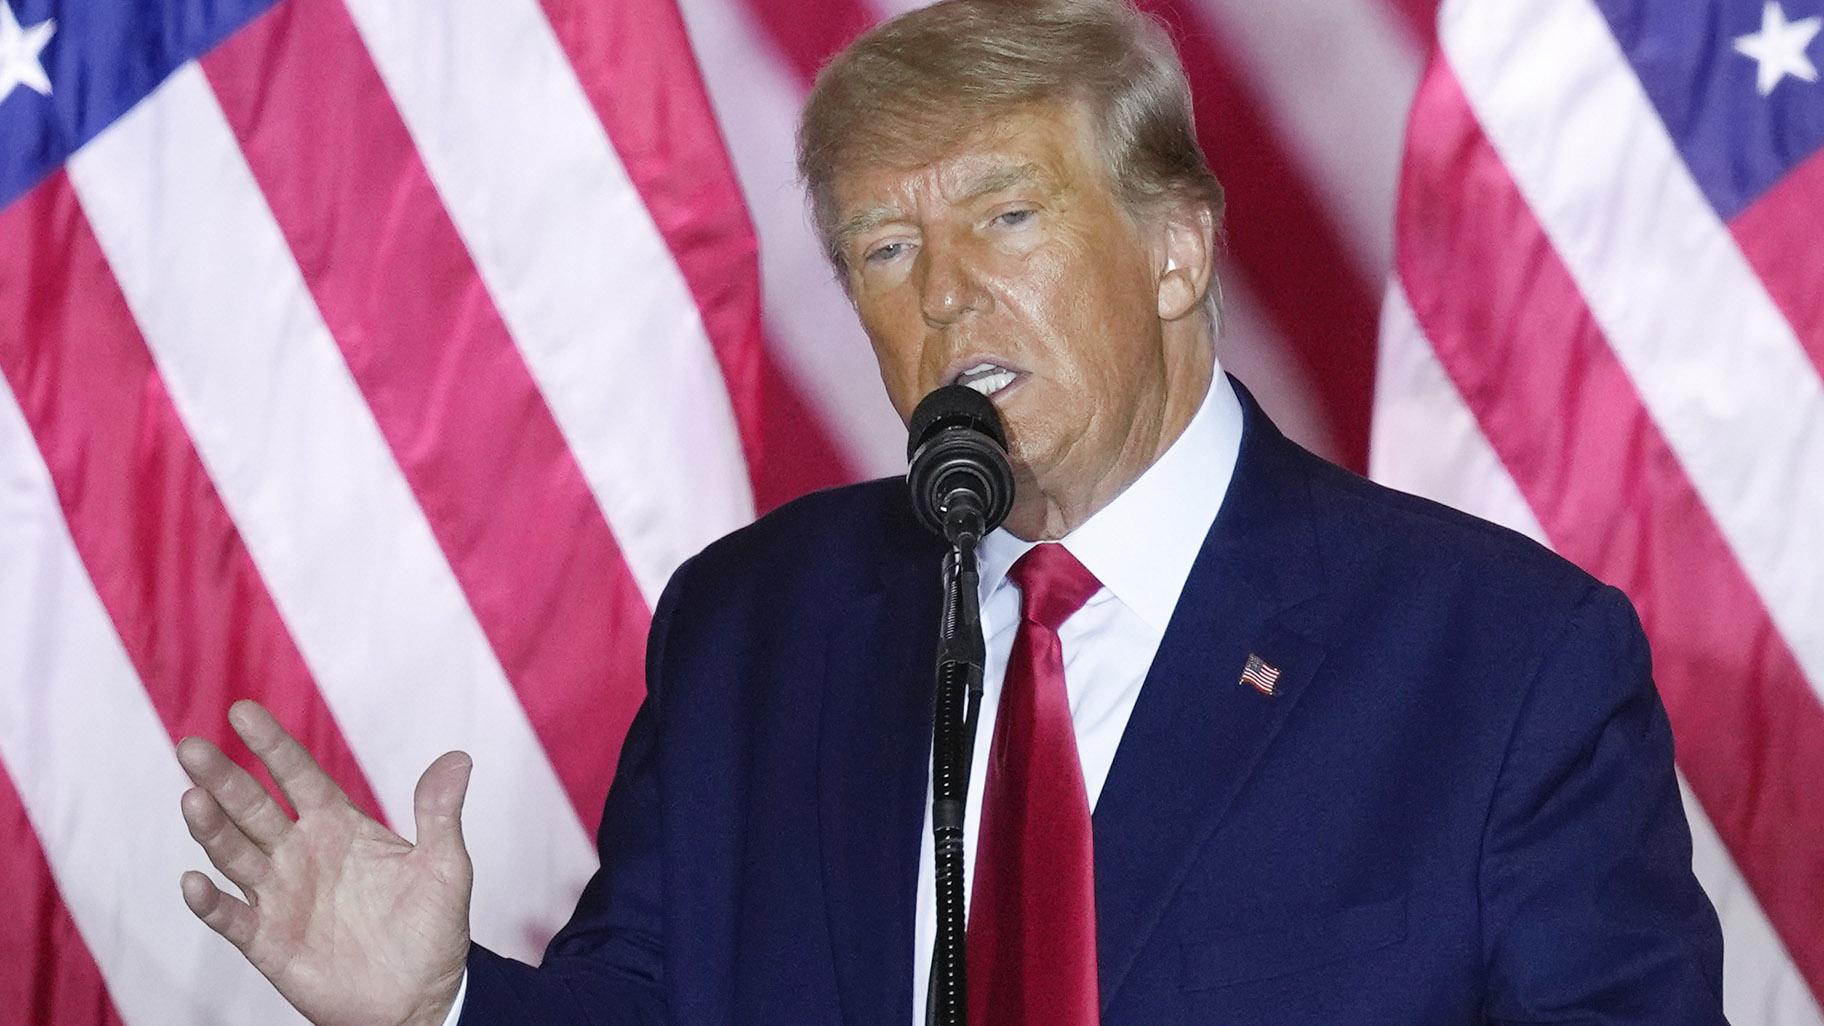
953, 406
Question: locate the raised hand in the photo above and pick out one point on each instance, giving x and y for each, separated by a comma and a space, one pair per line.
354, 925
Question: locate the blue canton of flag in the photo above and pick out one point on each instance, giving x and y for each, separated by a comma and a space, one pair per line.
69, 70
1735, 83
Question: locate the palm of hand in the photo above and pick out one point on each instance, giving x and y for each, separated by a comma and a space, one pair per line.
354, 925
381, 909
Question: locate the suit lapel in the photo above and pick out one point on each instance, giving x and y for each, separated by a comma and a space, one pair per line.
875, 742
1197, 732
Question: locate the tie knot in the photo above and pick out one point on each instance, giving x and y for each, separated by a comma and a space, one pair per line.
1053, 585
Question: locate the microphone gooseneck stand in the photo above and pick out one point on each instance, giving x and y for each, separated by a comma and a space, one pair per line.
962, 488
960, 655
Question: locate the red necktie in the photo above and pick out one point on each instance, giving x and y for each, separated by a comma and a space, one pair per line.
1032, 913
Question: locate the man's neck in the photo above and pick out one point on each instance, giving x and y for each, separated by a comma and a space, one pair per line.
1059, 511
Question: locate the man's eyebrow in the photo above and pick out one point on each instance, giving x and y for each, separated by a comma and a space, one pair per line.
863, 222
985, 184
1001, 179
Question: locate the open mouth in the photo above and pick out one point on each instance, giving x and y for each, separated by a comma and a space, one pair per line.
987, 378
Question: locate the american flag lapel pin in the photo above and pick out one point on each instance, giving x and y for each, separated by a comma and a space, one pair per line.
1260, 675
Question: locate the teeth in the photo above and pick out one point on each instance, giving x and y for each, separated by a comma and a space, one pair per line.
986, 377
988, 384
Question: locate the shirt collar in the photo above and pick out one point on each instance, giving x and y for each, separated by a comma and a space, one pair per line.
1142, 544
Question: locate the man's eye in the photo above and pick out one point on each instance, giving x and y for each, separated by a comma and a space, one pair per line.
1014, 218
882, 254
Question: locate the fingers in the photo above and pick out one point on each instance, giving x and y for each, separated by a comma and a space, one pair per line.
225, 914
239, 859
235, 792
437, 803
292, 768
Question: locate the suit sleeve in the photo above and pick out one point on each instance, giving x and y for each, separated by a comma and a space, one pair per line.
1591, 913
605, 967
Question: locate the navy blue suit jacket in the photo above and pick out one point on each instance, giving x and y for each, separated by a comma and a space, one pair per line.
1458, 807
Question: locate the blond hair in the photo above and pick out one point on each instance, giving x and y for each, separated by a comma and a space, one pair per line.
916, 86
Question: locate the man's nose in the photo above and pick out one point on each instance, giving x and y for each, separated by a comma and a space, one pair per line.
949, 287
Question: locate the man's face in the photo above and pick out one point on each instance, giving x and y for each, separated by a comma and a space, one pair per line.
1010, 265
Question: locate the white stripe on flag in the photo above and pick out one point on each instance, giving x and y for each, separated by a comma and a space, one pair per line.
1717, 366
325, 512
1344, 124
895, 8
810, 322
581, 275
96, 771
1761, 986
1426, 441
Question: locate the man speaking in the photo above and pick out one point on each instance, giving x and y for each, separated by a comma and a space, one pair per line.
1261, 742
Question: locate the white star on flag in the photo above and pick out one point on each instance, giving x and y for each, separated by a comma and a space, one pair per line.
1779, 47
19, 50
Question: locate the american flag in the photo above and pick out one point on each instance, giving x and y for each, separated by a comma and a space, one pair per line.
380, 359
1606, 329
1260, 675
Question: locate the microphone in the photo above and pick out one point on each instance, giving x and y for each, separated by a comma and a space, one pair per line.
962, 488
961, 482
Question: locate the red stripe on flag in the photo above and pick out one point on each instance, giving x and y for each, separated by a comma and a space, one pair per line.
1283, 238
798, 455
450, 391
166, 559
1779, 234
1420, 18
808, 34
1521, 345
637, 68
47, 976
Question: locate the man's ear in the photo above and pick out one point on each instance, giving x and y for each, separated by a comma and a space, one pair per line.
1186, 247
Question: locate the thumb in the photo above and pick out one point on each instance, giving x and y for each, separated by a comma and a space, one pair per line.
437, 804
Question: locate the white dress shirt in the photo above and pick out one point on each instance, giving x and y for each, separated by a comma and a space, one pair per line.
1141, 547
